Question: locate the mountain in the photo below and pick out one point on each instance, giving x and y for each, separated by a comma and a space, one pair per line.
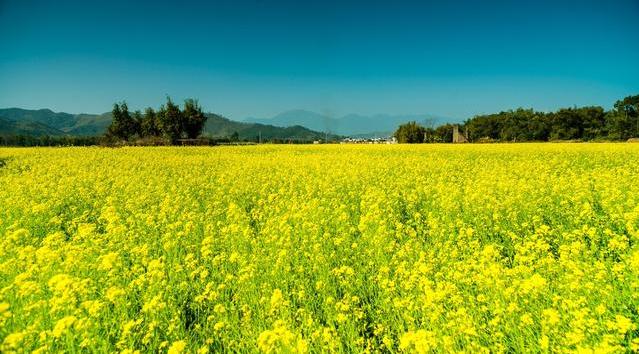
17, 121
11, 127
220, 127
43, 116
311, 120
89, 124
351, 124
60, 123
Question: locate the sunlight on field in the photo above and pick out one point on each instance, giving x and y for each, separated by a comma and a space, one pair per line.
526, 247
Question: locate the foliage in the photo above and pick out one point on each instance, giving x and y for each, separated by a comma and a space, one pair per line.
28, 124
169, 121
149, 126
623, 120
193, 119
330, 248
123, 126
583, 123
46, 140
410, 133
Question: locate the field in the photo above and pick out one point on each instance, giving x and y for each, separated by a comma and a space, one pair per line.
500, 248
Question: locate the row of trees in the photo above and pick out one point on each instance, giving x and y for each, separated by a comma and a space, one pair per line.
169, 122
30, 140
577, 123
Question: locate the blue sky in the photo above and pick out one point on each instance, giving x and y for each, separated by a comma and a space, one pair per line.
259, 58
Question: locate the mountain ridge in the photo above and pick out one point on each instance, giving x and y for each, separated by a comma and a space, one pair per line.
350, 124
41, 122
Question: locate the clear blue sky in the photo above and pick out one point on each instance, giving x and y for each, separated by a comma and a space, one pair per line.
259, 58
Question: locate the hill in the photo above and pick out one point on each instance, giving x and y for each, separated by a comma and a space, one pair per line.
351, 124
18, 121
219, 127
58, 123
11, 127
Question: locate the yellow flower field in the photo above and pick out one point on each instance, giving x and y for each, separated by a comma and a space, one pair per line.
342, 248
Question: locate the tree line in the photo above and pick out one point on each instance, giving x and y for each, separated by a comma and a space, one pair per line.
46, 140
169, 122
577, 123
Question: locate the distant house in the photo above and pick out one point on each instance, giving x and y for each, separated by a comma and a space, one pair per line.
459, 138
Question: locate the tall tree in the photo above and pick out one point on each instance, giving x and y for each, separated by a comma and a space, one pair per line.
623, 121
137, 123
170, 121
193, 118
149, 125
410, 133
123, 125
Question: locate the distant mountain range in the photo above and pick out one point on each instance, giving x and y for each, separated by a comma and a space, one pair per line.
221, 127
351, 124
41, 122
295, 124
17, 121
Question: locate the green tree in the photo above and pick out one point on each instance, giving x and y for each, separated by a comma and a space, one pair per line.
410, 133
622, 121
566, 124
444, 133
149, 125
171, 121
122, 126
137, 123
594, 122
193, 118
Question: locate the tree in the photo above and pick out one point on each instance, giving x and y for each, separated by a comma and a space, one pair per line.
594, 122
622, 121
137, 123
410, 133
444, 133
193, 118
484, 126
122, 126
170, 122
149, 125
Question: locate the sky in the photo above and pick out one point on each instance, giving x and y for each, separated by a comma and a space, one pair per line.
258, 58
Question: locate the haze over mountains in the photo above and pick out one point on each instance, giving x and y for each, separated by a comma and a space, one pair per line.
351, 124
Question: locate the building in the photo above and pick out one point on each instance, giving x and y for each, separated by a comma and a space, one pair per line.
459, 138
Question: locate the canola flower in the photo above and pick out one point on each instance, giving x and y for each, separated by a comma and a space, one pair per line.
415, 249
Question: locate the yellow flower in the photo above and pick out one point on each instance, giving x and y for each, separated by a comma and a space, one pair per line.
62, 326
114, 293
219, 309
420, 341
624, 324
108, 261
276, 299
551, 317
526, 319
544, 342
280, 339
13, 340
177, 347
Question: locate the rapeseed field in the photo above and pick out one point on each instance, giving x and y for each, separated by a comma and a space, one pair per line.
343, 248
